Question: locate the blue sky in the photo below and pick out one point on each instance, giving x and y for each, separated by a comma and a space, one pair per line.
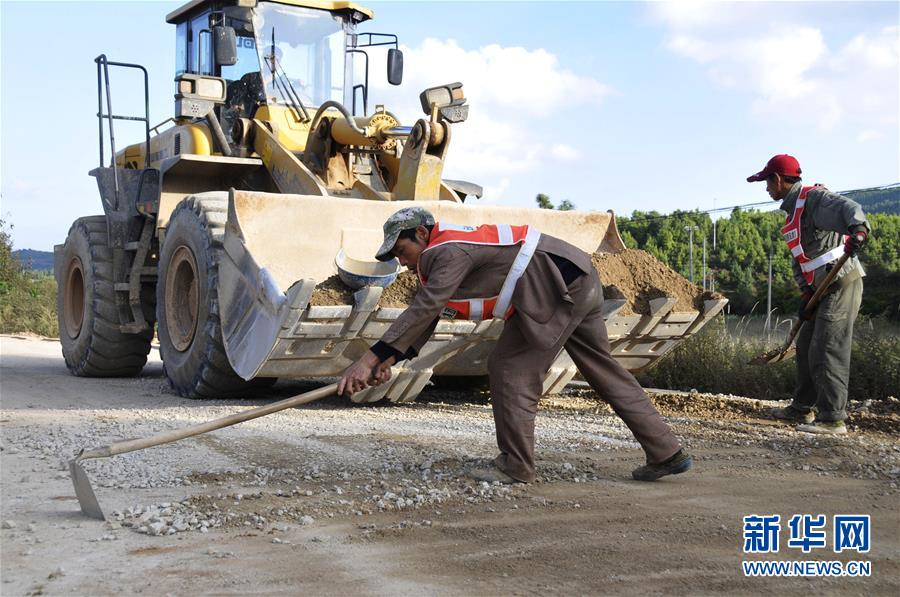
611, 105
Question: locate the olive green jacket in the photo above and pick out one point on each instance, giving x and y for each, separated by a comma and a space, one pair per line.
826, 218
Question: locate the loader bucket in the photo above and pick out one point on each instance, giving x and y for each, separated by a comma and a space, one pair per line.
278, 247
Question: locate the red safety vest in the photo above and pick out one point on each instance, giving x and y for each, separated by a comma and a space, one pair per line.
791, 233
480, 309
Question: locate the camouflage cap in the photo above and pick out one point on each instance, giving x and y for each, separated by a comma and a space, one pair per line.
405, 219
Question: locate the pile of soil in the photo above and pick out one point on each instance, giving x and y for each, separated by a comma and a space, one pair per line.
333, 291
633, 275
400, 294
638, 277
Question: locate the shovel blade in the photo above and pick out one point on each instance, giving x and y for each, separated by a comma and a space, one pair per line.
786, 354
85, 493
775, 356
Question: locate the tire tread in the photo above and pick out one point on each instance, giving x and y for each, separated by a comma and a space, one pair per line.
108, 352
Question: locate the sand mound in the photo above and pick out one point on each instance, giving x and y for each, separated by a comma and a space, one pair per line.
633, 275
332, 291
638, 277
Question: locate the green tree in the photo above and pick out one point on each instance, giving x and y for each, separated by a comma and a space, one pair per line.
9, 265
543, 201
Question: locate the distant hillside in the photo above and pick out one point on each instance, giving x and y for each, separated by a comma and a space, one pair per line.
39, 260
878, 200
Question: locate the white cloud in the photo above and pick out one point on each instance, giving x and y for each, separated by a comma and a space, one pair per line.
565, 153
526, 81
511, 91
496, 191
692, 47
791, 72
690, 14
868, 135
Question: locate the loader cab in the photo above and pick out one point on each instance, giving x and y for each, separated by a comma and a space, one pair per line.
292, 53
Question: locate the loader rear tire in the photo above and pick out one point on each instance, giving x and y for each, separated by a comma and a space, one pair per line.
190, 331
89, 310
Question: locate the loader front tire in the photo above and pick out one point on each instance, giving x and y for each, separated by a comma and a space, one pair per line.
190, 332
88, 309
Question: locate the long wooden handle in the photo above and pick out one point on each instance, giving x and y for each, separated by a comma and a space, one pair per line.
814, 299
817, 295
131, 445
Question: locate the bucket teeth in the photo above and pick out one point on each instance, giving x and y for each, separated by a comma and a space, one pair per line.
321, 341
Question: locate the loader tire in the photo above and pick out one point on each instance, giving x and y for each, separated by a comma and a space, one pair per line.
190, 332
89, 310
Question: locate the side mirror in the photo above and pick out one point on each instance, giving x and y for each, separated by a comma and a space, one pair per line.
224, 45
395, 66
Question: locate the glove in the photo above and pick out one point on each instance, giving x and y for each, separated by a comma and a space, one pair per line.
857, 239
803, 314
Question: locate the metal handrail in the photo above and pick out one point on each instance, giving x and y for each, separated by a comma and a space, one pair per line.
103, 65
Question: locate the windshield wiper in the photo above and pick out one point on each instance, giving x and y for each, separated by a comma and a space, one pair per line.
284, 86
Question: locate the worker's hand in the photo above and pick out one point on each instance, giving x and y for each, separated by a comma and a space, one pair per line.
383, 371
803, 314
857, 239
358, 375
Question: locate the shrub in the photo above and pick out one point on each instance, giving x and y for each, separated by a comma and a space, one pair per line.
875, 360
27, 298
718, 361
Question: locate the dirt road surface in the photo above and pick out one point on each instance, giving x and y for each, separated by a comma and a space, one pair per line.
333, 498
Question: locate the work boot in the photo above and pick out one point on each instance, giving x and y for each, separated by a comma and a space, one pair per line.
679, 463
491, 475
824, 427
793, 415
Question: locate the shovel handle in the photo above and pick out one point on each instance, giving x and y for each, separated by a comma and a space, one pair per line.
817, 295
814, 300
130, 445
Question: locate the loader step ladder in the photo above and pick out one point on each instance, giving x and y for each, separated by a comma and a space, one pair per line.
135, 252
103, 65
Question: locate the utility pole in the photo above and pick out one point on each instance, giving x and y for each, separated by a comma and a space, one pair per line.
714, 223
769, 296
704, 262
690, 230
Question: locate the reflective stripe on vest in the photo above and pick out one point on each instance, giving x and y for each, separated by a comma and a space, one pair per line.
479, 309
791, 233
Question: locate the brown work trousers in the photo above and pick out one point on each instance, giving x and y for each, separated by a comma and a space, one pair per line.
516, 376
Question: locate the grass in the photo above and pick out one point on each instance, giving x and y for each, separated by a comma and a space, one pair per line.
716, 360
28, 304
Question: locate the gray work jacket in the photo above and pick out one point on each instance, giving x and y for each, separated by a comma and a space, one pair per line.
826, 218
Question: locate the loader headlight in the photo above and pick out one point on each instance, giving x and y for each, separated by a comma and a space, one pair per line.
449, 100
442, 96
198, 87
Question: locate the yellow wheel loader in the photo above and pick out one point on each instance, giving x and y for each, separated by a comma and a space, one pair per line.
218, 226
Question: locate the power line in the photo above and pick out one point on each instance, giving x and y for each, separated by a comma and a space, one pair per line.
733, 207
698, 211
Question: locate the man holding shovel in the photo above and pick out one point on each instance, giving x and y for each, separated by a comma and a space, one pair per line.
550, 296
821, 226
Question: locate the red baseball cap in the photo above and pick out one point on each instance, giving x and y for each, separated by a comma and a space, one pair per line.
783, 164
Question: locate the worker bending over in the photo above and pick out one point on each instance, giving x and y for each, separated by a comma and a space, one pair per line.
550, 296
